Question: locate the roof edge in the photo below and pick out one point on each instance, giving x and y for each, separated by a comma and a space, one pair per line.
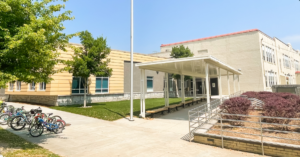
212, 37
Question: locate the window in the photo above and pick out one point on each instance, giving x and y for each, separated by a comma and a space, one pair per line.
42, 86
286, 61
18, 85
149, 83
32, 86
296, 65
101, 84
77, 86
268, 54
11, 86
170, 84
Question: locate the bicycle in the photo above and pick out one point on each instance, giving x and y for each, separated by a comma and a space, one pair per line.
19, 122
38, 129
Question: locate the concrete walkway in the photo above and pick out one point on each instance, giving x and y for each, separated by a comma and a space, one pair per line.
161, 136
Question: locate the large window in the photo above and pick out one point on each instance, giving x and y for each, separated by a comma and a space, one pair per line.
286, 61
149, 83
32, 86
18, 86
11, 86
101, 84
77, 86
42, 86
297, 68
268, 54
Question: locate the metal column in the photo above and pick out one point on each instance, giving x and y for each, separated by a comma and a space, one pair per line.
194, 88
234, 90
166, 89
182, 88
220, 84
207, 85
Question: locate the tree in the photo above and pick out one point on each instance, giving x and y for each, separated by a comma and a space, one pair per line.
180, 52
91, 59
30, 37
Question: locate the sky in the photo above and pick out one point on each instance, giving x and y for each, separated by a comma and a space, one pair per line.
159, 22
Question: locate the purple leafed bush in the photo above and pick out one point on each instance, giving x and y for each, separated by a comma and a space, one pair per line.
280, 107
235, 105
251, 94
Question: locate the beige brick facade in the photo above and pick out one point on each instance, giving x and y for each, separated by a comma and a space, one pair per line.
252, 146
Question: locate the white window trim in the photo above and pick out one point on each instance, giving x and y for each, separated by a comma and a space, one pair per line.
13, 86
150, 90
101, 85
44, 86
30, 85
17, 86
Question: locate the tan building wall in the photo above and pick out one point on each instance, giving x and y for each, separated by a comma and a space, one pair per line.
243, 50
62, 82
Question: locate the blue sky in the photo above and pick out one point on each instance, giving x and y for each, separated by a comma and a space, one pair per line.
159, 22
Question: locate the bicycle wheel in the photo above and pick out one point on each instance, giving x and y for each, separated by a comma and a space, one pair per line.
18, 123
63, 122
3, 119
59, 127
36, 130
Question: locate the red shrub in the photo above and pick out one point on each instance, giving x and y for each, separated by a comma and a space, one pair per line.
250, 94
236, 105
280, 107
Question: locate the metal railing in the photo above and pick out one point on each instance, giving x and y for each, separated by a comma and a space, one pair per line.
208, 115
197, 118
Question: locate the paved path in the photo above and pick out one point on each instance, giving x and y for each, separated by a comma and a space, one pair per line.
95, 137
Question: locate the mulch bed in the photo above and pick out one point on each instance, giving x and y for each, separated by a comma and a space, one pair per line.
265, 133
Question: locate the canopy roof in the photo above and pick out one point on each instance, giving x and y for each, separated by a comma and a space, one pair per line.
191, 66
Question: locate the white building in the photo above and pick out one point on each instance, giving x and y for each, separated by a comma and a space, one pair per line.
263, 60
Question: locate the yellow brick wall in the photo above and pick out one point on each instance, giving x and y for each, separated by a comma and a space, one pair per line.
62, 83
248, 146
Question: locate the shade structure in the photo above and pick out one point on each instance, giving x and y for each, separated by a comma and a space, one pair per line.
191, 66
201, 67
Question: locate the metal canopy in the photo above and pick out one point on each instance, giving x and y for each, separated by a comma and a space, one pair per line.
191, 66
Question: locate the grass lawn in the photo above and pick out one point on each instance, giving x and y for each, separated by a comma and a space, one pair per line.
116, 110
13, 145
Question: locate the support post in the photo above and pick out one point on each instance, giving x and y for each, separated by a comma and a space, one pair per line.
207, 85
228, 83
141, 94
166, 89
220, 85
194, 88
131, 64
238, 78
233, 76
182, 88
144, 95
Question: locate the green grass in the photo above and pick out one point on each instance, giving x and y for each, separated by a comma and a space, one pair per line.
116, 110
14, 145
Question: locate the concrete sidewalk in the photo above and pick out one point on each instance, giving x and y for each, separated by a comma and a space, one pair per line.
162, 136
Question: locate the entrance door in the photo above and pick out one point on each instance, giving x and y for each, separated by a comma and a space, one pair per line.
199, 87
214, 86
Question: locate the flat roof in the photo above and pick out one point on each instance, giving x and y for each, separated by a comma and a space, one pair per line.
190, 66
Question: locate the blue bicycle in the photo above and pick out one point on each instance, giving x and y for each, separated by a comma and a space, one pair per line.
38, 128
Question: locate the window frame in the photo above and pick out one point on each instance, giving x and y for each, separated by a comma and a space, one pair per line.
101, 85
30, 86
79, 88
17, 87
148, 78
11, 86
42, 84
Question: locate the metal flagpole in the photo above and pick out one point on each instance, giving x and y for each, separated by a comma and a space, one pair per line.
131, 64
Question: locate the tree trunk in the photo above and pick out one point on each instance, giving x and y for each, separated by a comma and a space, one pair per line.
85, 87
176, 88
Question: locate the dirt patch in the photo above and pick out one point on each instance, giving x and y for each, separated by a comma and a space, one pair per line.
235, 132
